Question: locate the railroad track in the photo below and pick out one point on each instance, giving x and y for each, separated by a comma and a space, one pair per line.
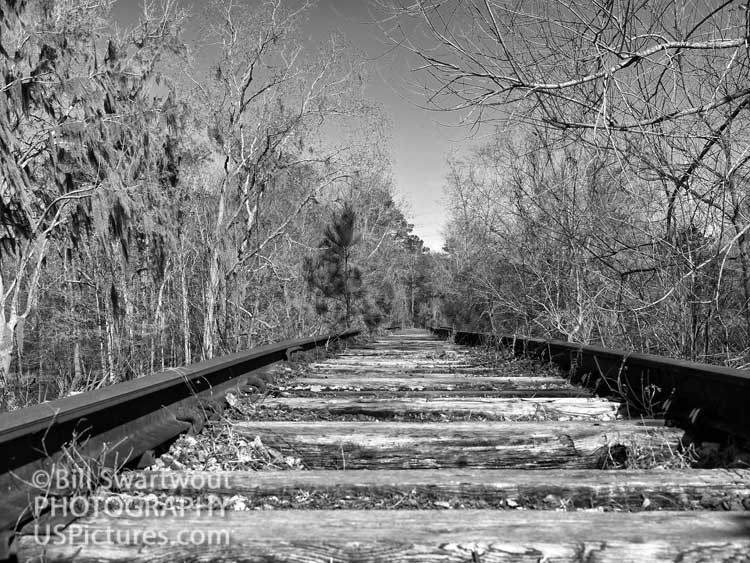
413, 448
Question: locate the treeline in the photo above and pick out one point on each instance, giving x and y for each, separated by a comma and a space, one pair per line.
166, 200
611, 204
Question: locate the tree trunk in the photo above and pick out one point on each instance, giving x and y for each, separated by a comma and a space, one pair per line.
347, 296
161, 324
212, 287
185, 314
77, 372
7, 330
209, 319
742, 247
110, 331
101, 323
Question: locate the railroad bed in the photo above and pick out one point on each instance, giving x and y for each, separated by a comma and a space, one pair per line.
410, 448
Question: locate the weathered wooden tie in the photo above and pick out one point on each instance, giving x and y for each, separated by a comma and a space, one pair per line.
435, 536
498, 408
506, 488
412, 445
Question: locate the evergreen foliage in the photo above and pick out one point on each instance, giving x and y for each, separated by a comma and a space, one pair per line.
332, 275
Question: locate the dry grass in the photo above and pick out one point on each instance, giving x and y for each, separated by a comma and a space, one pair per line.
219, 448
648, 454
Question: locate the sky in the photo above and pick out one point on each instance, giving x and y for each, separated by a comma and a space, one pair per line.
421, 140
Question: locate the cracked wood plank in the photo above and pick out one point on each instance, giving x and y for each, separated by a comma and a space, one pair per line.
449, 382
545, 408
409, 445
552, 488
403, 392
395, 536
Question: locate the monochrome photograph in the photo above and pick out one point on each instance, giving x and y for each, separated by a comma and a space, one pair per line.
370, 281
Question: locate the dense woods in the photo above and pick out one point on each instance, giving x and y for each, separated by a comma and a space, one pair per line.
163, 200
610, 205
206, 182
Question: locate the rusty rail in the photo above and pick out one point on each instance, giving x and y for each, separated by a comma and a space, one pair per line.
120, 424
710, 401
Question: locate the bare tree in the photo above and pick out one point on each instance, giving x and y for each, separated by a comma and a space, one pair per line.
262, 99
657, 91
623, 66
73, 96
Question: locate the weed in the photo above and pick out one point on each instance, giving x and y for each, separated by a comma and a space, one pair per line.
632, 453
645, 400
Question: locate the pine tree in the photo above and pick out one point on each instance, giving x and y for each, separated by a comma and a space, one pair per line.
333, 275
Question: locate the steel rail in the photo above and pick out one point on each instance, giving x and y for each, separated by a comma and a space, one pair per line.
117, 425
710, 401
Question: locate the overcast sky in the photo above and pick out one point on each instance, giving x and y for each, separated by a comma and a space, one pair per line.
421, 139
